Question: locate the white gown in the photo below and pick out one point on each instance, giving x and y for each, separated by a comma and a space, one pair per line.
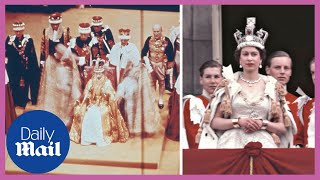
237, 138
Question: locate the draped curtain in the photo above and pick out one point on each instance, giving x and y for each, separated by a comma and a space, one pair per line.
237, 161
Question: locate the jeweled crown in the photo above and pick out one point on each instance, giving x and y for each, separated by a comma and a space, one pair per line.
250, 39
98, 65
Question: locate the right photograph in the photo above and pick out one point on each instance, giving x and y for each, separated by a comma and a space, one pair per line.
248, 89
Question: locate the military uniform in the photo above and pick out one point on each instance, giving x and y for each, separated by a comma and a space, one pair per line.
22, 67
104, 37
159, 51
83, 49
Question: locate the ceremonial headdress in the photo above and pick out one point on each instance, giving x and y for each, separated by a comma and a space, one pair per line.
124, 33
84, 28
18, 26
55, 18
96, 21
250, 39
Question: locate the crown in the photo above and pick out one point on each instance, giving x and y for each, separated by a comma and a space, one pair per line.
18, 26
249, 39
84, 28
124, 33
55, 18
98, 65
96, 21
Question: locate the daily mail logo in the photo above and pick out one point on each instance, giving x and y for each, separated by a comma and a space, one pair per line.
27, 148
38, 141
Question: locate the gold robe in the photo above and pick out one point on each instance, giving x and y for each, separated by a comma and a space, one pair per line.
99, 94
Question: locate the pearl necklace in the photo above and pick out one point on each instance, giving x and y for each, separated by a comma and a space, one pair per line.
250, 82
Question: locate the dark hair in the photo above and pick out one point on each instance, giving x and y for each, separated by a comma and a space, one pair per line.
277, 54
208, 64
311, 62
237, 52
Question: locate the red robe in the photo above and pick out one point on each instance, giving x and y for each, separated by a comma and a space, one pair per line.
299, 137
173, 126
192, 129
306, 113
10, 114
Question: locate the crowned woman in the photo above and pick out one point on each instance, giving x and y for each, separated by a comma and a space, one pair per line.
97, 119
249, 107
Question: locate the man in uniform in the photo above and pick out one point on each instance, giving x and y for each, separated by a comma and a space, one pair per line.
194, 106
53, 35
279, 66
82, 47
104, 37
159, 50
306, 112
22, 66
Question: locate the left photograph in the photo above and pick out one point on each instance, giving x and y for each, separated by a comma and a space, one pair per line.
110, 73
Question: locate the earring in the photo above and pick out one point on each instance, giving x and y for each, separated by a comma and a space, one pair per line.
260, 66
240, 66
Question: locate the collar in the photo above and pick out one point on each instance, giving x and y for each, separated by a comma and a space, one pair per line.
101, 32
50, 31
206, 94
81, 43
285, 87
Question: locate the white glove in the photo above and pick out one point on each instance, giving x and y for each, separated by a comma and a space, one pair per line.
147, 63
81, 61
